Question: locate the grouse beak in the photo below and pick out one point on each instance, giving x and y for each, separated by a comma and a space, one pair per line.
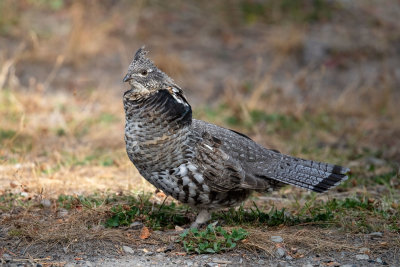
127, 78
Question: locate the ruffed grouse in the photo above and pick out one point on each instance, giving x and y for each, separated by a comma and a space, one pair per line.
198, 163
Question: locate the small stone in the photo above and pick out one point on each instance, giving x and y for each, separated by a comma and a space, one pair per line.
307, 265
45, 203
7, 257
348, 265
375, 161
150, 253
65, 249
189, 263
88, 264
221, 261
379, 260
364, 250
128, 250
362, 257
289, 258
276, 239
280, 252
62, 213
261, 262
136, 225
376, 234
69, 265
332, 263
211, 264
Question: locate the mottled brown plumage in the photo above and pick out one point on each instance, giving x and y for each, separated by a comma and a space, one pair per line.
198, 163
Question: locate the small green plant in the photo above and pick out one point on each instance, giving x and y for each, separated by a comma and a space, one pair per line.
155, 216
273, 217
211, 240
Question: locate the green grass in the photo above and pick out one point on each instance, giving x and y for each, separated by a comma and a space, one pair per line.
357, 214
10, 201
155, 216
275, 11
211, 240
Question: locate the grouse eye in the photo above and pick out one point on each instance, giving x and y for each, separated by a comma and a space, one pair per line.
144, 72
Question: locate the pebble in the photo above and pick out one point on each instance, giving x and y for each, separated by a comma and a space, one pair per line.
362, 257
276, 239
376, 234
136, 225
88, 264
307, 265
289, 258
46, 203
364, 250
375, 161
160, 256
379, 260
62, 213
7, 257
69, 265
221, 261
280, 252
127, 249
348, 265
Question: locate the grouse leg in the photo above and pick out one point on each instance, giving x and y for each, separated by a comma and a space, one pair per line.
203, 217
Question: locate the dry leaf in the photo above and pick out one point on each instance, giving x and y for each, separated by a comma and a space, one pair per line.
145, 233
161, 194
178, 228
13, 184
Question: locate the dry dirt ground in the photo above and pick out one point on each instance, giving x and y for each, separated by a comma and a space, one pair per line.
315, 79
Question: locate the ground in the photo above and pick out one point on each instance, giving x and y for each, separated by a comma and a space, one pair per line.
314, 79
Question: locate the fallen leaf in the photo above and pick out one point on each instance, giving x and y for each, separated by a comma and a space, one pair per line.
162, 249
161, 194
181, 253
178, 228
13, 184
145, 233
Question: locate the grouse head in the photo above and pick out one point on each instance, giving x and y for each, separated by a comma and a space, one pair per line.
144, 77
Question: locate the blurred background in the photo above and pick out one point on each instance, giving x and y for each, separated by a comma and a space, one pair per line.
315, 78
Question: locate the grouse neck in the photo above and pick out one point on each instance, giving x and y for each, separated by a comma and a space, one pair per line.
160, 104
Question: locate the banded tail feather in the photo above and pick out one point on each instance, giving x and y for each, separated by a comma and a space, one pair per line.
309, 174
